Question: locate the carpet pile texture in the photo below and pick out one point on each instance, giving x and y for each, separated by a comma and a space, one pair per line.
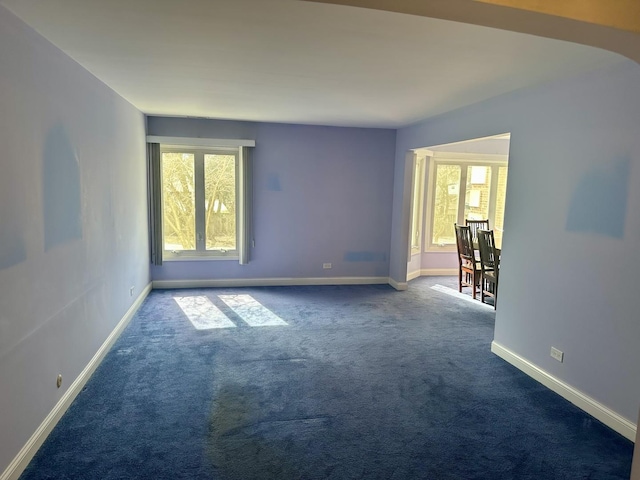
362, 382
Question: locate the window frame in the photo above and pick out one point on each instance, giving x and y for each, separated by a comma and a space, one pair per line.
463, 160
201, 253
417, 204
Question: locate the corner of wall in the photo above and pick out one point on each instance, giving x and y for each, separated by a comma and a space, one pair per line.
24, 456
594, 408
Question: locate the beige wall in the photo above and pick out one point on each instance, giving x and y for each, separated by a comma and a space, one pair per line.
606, 24
621, 14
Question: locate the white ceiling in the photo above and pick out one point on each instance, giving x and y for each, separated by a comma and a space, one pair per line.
296, 62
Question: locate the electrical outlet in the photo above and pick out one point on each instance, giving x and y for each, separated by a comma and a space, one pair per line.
131, 291
59, 380
557, 354
326, 265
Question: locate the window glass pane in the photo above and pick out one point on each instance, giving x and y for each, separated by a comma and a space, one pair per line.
445, 212
220, 201
178, 201
478, 191
500, 202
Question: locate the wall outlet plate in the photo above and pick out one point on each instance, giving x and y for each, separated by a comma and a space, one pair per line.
326, 265
557, 354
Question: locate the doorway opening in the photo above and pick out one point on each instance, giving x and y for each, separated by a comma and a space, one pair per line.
453, 183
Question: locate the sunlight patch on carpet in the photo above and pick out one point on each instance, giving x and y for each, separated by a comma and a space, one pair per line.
252, 311
457, 294
203, 314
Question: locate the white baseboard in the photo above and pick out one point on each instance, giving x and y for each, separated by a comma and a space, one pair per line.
24, 456
594, 408
268, 282
414, 274
398, 285
432, 272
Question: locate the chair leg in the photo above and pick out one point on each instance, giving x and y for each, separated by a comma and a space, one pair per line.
495, 295
460, 279
474, 282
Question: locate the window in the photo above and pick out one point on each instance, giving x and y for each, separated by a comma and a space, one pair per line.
465, 187
417, 200
200, 201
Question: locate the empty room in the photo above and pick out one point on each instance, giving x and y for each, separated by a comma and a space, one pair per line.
223, 253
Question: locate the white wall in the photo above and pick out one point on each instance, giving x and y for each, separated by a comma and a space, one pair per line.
572, 225
73, 219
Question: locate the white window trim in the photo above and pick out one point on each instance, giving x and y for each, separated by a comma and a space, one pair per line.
419, 162
203, 254
196, 142
466, 159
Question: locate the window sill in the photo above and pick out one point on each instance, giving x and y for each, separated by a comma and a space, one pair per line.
447, 249
203, 258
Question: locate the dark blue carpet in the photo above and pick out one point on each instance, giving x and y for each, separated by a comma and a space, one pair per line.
364, 382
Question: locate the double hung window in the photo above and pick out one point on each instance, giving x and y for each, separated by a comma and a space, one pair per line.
201, 202
199, 198
471, 188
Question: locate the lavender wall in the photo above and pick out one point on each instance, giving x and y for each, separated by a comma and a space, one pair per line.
572, 225
73, 217
321, 194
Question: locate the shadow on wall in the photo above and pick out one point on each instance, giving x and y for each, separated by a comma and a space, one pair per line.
365, 257
273, 183
12, 247
599, 202
14, 213
61, 190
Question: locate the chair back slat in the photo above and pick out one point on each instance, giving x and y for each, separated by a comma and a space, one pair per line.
476, 225
487, 247
469, 271
489, 265
464, 243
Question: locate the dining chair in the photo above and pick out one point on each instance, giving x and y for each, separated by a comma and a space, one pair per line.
489, 266
476, 225
469, 272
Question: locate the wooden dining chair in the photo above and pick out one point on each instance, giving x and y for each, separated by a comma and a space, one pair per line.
489, 266
476, 225
469, 272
